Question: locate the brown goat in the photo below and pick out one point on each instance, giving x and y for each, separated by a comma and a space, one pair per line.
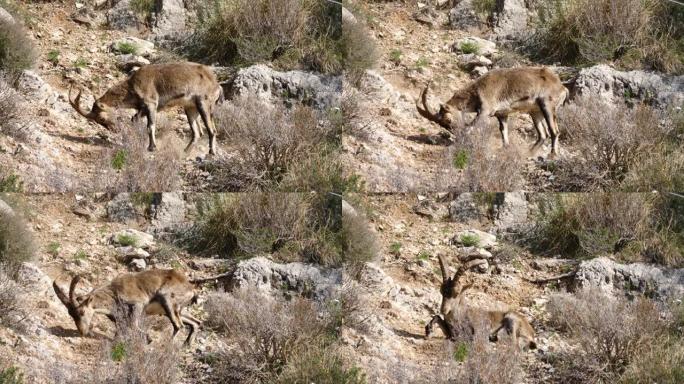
156, 87
536, 91
153, 292
452, 314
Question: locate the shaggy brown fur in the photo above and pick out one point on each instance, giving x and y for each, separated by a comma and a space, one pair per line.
156, 87
536, 91
453, 314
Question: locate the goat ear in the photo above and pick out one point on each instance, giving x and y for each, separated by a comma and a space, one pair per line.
60, 294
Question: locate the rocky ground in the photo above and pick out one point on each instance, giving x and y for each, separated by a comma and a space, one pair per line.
401, 289
59, 150
394, 149
82, 234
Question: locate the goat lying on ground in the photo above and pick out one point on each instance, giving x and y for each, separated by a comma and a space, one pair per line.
453, 313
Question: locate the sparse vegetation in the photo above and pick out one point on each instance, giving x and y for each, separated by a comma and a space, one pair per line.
127, 166
127, 48
291, 226
475, 167
469, 47
13, 122
290, 150
280, 342
288, 33
631, 226
16, 242
127, 240
484, 8
80, 62
422, 62
359, 50
143, 7
616, 144
13, 310
53, 248
614, 344
17, 51
53, 57
359, 244
395, 56
11, 375
630, 32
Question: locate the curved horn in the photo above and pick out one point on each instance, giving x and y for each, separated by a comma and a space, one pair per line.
76, 103
424, 110
72, 288
61, 295
442, 266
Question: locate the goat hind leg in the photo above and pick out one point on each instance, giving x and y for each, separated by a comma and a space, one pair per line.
204, 110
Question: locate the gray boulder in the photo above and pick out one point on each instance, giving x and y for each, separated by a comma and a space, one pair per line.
120, 209
615, 278
465, 208
270, 278
319, 91
510, 210
484, 47
510, 19
463, 16
5, 16
612, 85
121, 16
168, 210
171, 21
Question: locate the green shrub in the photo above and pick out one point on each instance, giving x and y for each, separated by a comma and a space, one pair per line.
11, 375
53, 248
17, 51
288, 33
127, 48
53, 57
395, 249
80, 62
11, 184
484, 8
16, 241
589, 31
470, 240
395, 56
127, 240
461, 352
118, 352
589, 225
469, 47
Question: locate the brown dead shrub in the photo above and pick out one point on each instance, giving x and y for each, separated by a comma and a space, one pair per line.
476, 167
268, 340
611, 334
611, 139
129, 167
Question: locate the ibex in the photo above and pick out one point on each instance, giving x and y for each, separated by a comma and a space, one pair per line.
452, 290
153, 292
537, 91
155, 87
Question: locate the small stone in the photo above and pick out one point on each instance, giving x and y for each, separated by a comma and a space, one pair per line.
138, 264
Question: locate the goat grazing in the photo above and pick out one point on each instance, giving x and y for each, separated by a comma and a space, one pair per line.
537, 91
153, 292
452, 314
156, 87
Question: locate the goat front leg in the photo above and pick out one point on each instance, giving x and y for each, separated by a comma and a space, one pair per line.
446, 329
151, 112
